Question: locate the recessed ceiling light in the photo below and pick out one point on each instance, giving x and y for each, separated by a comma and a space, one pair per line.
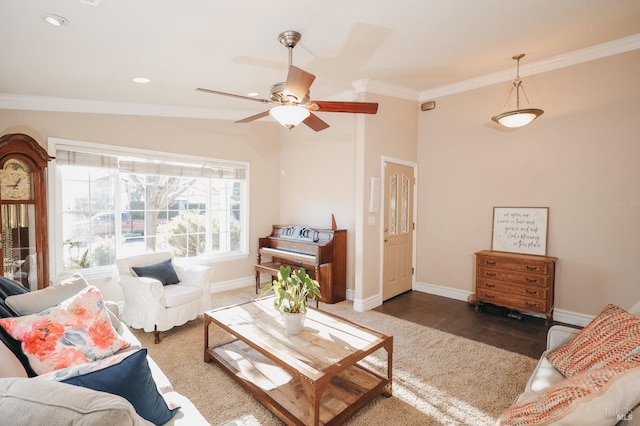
54, 20
142, 80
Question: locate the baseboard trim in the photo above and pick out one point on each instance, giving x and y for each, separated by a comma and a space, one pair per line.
573, 318
351, 294
233, 284
560, 315
361, 305
451, 293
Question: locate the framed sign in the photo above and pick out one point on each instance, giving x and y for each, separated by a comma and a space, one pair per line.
520, 230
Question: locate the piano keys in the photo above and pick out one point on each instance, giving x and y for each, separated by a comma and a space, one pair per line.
321, 252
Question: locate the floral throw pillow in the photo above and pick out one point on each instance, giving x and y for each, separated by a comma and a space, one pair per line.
76, 331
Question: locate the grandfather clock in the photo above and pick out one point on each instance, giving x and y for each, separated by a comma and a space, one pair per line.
23, 211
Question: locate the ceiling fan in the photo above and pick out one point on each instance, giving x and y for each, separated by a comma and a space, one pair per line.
291, 98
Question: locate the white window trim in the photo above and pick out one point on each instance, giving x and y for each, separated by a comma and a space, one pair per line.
54, 205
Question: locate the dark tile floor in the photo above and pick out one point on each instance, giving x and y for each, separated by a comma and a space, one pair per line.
490, 325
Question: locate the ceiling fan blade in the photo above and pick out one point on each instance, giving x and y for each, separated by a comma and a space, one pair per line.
315, 122
335, 106
298, 82
253, 117
249, 98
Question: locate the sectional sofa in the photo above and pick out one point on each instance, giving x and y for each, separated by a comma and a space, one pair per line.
588, 376
125, 387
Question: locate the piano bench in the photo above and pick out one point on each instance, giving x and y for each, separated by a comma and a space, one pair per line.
272, 268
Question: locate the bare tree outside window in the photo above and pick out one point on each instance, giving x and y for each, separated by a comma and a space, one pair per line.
159, 193
115, 206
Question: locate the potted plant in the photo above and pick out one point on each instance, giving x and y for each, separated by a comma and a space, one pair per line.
291, 291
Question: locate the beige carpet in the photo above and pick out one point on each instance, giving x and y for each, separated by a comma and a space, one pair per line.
438, 378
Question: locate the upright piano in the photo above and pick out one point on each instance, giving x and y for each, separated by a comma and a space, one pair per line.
321, 252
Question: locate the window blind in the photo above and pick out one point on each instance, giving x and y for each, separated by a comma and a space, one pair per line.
148, 166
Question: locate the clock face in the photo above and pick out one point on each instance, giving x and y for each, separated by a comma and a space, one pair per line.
15, 181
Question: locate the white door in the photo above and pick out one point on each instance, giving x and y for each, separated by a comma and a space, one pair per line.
398, 229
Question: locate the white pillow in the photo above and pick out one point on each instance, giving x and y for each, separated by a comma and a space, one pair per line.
635, 309
39, 300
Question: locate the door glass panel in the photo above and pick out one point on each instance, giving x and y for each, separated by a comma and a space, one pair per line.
393, 205
404, 205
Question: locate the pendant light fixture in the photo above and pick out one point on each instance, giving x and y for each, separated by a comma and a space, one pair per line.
517, 117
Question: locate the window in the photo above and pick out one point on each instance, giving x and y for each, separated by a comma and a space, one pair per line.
113, 202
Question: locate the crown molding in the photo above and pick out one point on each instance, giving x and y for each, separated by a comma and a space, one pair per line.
382, 88
42, 103
598, 51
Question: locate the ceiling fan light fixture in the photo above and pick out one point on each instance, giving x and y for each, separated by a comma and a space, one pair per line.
289, 115
292, 97
517, 117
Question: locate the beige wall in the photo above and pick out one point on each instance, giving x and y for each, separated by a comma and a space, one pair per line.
331, 169
392, 133
317, 178
256, 144
581, 159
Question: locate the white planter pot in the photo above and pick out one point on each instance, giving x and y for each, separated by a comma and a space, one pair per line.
293, 323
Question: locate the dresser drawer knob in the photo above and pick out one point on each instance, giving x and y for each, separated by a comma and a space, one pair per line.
531, 305
531, 292
531, 280
491, 274
491, 263
531, 268
491, 286
489, 296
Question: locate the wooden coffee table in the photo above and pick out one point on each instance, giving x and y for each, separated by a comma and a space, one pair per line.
312, 378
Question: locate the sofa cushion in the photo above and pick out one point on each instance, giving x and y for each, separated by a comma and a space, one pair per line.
162, 271
188, 415
125, 374
543, 376
178, 295
76, 331
38, 301
28, 402
10, 365
599, 397
8, 288
612, 336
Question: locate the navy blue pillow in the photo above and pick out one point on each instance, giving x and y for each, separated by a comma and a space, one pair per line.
10, 287
131, 379
163, 272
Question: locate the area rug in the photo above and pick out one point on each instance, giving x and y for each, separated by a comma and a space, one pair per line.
438, 378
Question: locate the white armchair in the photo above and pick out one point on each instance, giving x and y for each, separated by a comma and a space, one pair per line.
152, 306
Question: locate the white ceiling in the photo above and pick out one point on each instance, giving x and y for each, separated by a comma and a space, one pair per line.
413, 46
